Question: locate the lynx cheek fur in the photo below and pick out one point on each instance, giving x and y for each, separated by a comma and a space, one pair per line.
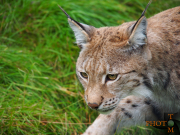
132, 70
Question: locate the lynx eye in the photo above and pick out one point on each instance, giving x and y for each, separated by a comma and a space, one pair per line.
84, 75
111, 77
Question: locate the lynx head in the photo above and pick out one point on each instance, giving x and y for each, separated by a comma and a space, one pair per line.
111, 62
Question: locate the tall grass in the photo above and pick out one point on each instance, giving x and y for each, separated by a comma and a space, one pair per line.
39, 91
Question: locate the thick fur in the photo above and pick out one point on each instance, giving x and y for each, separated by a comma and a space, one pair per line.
147, 61
130, 111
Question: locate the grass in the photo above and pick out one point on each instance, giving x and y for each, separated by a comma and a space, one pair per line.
39, 91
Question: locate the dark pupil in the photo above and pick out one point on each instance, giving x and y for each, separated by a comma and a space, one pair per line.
111, 77
84, 75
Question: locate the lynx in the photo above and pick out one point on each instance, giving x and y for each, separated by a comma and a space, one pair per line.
130, 72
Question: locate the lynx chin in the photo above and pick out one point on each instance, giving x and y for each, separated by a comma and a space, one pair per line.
130, 72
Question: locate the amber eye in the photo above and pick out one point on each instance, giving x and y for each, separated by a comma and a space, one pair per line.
84, 75
111, 77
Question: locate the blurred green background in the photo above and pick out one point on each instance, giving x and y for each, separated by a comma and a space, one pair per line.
39, 91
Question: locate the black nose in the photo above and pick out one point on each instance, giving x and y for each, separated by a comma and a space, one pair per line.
93, 105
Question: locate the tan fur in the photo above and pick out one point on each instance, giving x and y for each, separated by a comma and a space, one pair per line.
125, 115
107, 48
150, 69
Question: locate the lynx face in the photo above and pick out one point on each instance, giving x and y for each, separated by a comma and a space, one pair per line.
111, 62
109, 69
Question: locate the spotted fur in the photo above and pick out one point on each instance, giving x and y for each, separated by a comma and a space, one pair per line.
145, 55
124, 115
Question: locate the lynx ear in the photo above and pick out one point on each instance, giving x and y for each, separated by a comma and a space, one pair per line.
137, 31
138, 35
82, 32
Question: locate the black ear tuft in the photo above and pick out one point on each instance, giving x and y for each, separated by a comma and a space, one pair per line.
71, 18
143, 13
82, 32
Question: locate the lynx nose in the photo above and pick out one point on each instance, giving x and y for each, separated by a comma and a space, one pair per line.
93, 105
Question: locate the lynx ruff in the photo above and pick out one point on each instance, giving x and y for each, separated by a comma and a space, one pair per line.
130, 73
